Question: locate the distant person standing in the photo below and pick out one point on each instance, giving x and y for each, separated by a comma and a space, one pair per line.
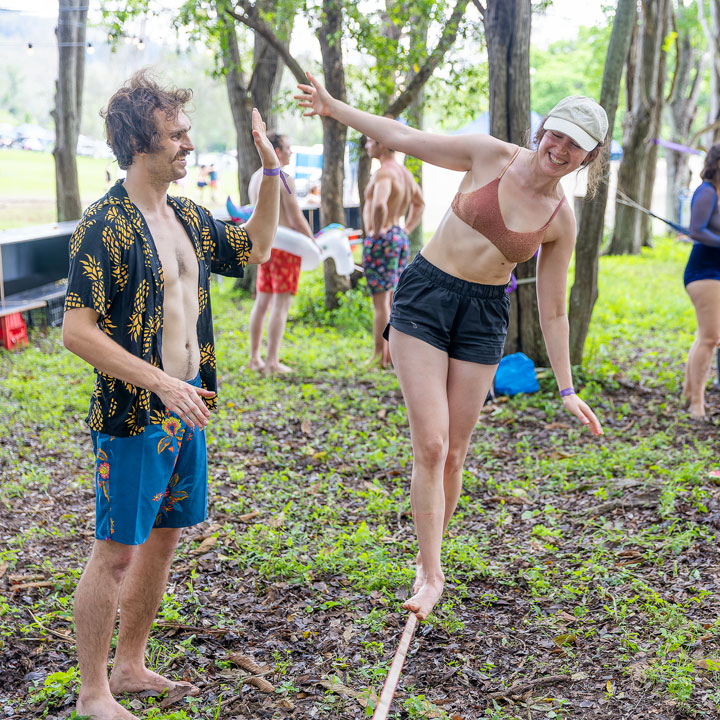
213, 181
702, 283
202, 181
278, 278
391, 195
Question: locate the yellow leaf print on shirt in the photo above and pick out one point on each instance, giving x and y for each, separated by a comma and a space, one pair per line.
202, 300
207, 355
92, 268
135, 324
73, 300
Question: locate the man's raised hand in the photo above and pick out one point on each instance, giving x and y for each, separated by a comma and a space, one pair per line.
268, 158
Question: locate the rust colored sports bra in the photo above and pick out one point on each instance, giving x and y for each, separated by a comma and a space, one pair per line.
480, 209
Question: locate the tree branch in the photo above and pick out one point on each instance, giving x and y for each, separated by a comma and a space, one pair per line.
247, 14
433, 60
480, 8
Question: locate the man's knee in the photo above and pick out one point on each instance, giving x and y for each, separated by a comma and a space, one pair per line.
112, 559
163, 541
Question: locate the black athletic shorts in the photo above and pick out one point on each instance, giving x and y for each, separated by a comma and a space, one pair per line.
466, 320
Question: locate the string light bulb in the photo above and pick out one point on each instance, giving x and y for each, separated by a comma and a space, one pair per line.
140, 44
30, 49
90, 49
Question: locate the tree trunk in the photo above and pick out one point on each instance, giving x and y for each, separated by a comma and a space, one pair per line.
334, 134
241, 107
646, 237
259, 91
639, 125
416, 116
72, 23
712, 35
507, 33
682, 108
592, 218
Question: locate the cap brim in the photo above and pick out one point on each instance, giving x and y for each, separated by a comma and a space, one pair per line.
573, 131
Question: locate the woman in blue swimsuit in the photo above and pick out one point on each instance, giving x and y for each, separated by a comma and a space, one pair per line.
702, 282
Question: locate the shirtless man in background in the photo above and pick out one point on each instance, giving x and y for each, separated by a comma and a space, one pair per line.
391, 194
138, 311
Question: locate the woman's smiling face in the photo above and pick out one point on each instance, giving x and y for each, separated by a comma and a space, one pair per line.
559, 154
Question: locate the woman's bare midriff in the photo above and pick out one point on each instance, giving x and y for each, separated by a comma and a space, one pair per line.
459, 250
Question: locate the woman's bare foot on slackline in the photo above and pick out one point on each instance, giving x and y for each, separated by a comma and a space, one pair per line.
423, 601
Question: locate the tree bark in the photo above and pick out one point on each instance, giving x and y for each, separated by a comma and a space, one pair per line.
682, 108
507, 33
72, 23
334, 134
646, 237
592, 218
639, 125
419, 27
712, 35
244, 94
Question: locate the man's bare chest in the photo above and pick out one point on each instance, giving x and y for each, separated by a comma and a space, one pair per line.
175, 250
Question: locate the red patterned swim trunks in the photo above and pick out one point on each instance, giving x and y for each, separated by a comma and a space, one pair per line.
280, 274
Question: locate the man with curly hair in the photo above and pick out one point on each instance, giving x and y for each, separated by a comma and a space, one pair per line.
138, 311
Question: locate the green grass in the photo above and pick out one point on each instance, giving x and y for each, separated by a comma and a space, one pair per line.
27, 186
540, 581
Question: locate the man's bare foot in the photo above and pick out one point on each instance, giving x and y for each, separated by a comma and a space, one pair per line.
277, 368
697, 412
423, 601
105, 708
256, 364
419, 575
147, 680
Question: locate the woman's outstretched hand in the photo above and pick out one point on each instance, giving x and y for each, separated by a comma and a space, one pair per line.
315, 97
583, 413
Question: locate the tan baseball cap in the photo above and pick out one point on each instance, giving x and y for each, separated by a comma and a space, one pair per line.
581, 119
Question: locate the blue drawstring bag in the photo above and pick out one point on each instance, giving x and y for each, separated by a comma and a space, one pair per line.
516, 374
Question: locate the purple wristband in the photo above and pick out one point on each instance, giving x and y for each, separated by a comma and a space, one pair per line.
277, 171
567, 391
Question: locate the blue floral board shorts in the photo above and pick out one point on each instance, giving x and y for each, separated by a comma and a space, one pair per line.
384, 258
157, 479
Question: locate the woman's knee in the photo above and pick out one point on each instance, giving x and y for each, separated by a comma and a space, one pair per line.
455, 461
430, 451
708, 339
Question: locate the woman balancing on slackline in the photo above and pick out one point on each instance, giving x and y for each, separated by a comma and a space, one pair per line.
450, 310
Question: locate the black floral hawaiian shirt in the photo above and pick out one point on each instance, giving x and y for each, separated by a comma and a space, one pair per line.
116, 271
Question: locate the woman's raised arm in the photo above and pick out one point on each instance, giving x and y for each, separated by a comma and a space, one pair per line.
451, 152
